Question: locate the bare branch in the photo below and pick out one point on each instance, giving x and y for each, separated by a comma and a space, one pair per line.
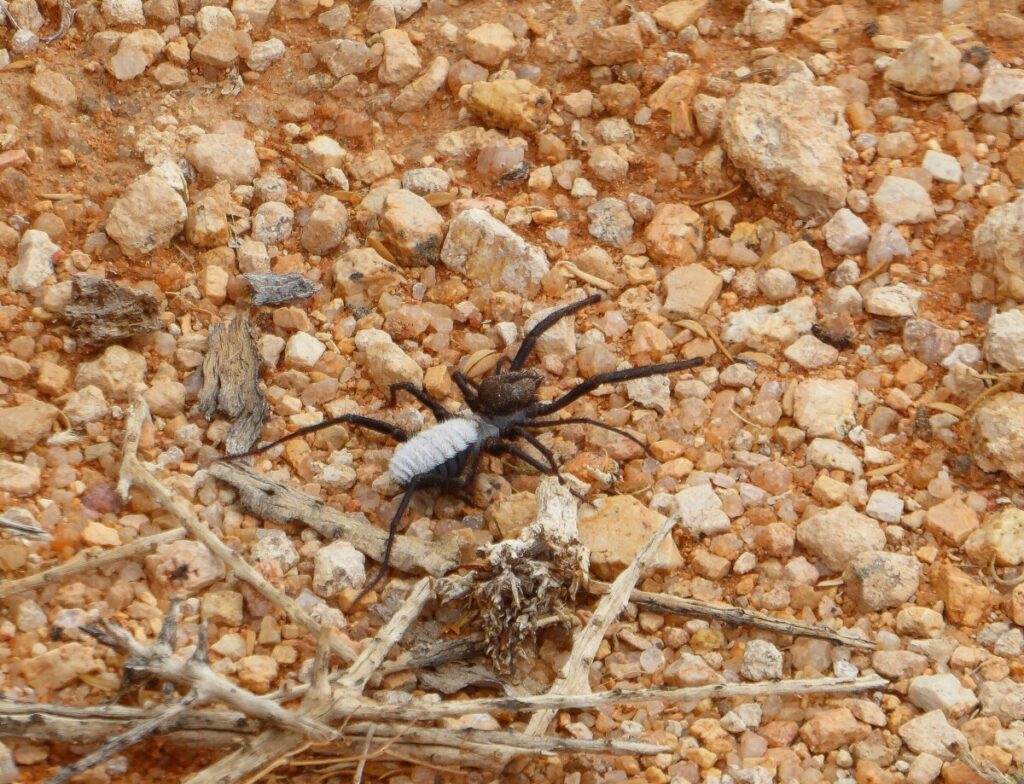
133, 472
735, 616
196, 674
120, 742
278, 503
89, 559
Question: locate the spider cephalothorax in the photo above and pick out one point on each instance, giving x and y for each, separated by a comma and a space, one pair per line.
502, 407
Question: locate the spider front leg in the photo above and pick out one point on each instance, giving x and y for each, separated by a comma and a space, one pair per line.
440, 412
544, 325
377, 425
592, 383
466, 385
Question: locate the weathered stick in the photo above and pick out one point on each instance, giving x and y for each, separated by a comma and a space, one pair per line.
518, 740
195, 673
423, 711
129, 738
575, 676
734, 616
133, 472
270, 500
93, 724
85, 724
271, 748
89, 559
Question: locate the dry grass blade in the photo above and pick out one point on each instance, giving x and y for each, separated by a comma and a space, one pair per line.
480, 363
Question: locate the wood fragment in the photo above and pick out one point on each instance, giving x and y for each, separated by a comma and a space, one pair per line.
100, 312
273, 748
195, 673
83, 724
126, 739
133, 472
574, 679
231, 383
735, 616
271, 288
278, 503
92, 558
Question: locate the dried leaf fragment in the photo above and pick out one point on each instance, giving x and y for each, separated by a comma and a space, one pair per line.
272, 288
231, 383
101, 312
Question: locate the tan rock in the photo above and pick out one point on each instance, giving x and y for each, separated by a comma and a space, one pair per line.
413, 230
836, 536
832, 729
489, 44
98, 535
616, 532
952, 521
223, 607
675, 234
967, 602
689, 291
19, 479
513, 104
615, 45
60, 667
257, 673
1001, 538
23, 426
678, 14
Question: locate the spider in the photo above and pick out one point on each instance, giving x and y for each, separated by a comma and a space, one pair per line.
502, 406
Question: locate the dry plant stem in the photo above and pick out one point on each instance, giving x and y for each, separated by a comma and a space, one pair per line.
89, 559
133, 472
423, 711
575, 676
517, 740
129, 738
272, 748
194, 672
984, 770
735, 616
278, 503
93, 724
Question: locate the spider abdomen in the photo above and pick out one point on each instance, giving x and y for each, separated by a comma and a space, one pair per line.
440, 449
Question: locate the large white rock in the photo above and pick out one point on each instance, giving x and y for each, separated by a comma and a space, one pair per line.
147, 216
489, 252
826, 407
788, 140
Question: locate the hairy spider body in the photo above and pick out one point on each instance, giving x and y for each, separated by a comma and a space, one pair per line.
443, 450
503, 406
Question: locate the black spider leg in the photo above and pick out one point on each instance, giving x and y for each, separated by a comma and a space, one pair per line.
505, 448
555, 469
467, 386
416, 483
585, 421
592, 383
544, 325
440, 412
369, 423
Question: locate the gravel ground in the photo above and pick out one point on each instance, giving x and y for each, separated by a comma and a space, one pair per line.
823, 201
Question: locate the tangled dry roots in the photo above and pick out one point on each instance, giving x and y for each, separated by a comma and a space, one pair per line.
528, 582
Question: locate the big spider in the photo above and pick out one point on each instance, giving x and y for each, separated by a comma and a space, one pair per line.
502, 405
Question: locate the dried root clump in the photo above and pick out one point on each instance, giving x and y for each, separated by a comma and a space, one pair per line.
528, 583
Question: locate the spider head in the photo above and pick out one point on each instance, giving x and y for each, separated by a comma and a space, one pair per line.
508, 393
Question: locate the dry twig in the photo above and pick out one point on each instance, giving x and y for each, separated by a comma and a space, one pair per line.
89, 559
735, 616
133, 472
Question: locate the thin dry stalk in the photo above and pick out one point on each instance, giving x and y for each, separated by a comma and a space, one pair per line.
735, 616
89, 559
134, 473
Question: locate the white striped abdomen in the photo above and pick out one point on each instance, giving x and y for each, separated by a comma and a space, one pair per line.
429, 449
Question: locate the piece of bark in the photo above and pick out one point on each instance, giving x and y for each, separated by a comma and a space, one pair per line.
272, 288
231, 383
270, 500
101, 312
